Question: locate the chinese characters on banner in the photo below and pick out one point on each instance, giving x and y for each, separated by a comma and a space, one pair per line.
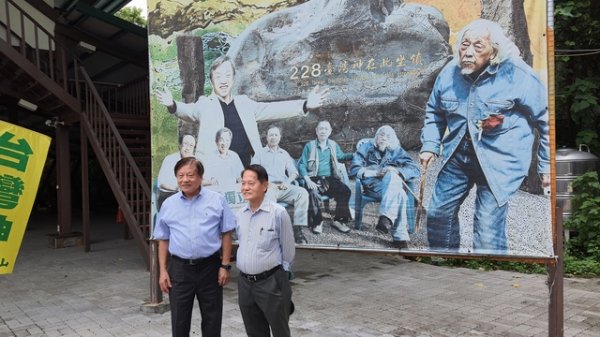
22, 157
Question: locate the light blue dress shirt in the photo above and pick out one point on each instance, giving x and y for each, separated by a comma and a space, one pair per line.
194, 226
265, 238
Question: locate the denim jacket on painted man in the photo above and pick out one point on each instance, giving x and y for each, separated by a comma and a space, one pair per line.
510, 89
368, 157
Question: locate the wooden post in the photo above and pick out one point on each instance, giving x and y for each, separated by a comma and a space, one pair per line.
555, 283
63, 180
156, 303
85, 191
555, 271
190, 57
155, 293
65, 237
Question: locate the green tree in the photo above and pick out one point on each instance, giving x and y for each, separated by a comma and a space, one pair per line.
577, 45
585, 220
133, 15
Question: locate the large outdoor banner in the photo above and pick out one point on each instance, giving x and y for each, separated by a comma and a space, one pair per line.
420, 125
22, 156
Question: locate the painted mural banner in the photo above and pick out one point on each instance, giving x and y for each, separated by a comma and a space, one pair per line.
22, 156
416, 125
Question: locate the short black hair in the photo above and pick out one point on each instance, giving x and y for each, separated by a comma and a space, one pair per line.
221, 132
273, 126
217, 63
187, 161
182, 135
260, 171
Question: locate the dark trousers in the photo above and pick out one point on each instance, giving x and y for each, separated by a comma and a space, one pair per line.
338, 191
264, 304
196, 281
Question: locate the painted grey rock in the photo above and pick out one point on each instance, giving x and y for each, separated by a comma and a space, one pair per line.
379, 58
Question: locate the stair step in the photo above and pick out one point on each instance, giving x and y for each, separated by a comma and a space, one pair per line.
32, 86
131, 125
136, 141
142, 165
4, 62
57, 106
135, 132
139, 151
46, 94
119, 115
131, 121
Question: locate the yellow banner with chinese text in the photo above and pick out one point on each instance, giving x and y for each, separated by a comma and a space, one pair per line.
22, 156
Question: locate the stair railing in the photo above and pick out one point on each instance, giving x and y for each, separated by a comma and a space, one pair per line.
130, 186
42, 50
32, 41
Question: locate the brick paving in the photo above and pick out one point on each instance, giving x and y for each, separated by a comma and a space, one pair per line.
66, 292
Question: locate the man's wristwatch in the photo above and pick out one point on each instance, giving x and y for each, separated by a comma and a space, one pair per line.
226, 267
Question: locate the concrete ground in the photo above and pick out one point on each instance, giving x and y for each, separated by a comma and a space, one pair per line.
66, 292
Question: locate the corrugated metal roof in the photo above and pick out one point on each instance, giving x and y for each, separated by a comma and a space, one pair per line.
121, 48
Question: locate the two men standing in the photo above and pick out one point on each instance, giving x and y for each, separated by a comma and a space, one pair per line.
194, 232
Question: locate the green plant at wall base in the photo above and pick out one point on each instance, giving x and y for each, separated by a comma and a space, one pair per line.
585, 110
487, 265
573, 266
581, 267
585, 220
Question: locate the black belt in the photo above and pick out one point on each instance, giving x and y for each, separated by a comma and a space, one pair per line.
261, 276
193, 262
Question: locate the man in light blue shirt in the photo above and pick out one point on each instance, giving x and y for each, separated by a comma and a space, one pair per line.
482, 115
265, 254
193, 229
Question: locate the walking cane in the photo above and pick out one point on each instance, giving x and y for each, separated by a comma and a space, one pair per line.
420, 209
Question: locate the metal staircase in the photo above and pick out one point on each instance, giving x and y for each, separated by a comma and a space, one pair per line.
37, 67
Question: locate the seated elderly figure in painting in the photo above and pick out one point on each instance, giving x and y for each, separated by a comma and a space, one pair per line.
383, 166
318, 166
166, 180
223, 168
282, 173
